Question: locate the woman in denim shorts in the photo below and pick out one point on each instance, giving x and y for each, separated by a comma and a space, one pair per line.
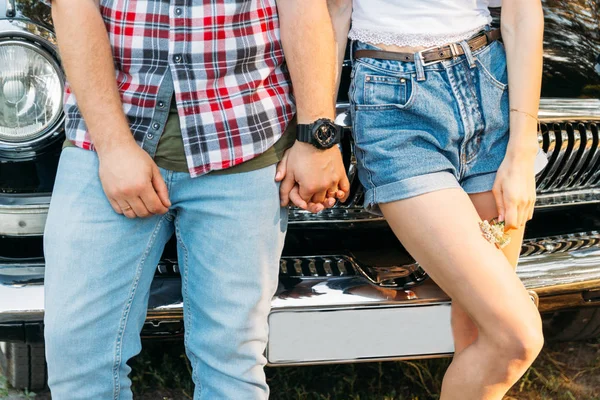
442, 146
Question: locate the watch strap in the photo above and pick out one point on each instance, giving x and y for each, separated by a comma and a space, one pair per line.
304, 133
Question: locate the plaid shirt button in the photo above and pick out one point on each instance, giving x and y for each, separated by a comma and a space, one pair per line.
224, 121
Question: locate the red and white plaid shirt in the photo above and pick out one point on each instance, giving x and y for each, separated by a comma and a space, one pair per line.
222, 59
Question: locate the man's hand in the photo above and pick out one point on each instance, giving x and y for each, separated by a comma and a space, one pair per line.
132, 182
312, 179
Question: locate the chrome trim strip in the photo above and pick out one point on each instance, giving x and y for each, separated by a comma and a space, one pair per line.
568, 268
362, 360
557, 109
23, 220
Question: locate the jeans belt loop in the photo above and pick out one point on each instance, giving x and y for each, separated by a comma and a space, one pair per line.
467, 49
419, 67
454, 50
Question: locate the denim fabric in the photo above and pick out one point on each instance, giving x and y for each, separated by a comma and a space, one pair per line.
415, 136
99, 266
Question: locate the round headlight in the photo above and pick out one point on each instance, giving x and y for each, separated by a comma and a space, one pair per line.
31, 90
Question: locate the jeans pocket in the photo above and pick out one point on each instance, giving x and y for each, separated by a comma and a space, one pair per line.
492, 66
387, 91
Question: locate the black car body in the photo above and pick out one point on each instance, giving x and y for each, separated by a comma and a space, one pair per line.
345, 281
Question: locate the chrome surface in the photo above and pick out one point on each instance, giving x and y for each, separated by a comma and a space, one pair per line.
10, 8
543, 271
23, 220
395, 276
344, 318
358, 334
560, 244
557, 109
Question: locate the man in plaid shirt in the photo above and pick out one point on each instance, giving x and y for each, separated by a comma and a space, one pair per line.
177, 114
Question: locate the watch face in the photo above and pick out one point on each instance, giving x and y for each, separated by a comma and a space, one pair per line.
325, 134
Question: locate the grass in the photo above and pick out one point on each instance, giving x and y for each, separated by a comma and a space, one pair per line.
564, 371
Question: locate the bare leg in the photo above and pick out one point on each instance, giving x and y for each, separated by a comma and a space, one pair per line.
441, 231
464, 329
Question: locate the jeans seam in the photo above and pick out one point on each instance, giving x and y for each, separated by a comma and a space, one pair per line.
186, 304
125, 313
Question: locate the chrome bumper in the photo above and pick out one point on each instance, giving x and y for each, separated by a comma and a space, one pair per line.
347, 319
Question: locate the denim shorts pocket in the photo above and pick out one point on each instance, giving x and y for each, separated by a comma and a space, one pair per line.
382, 92
492, 64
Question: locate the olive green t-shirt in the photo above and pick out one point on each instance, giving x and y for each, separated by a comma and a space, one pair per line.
171, 155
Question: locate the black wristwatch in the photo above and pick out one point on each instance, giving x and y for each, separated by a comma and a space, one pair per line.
323, 133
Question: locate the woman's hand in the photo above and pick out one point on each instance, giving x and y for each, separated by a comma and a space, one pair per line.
314, 180
514, 189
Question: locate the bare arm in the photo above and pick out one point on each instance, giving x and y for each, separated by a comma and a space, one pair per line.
340, 12
311, 176
87, 58
130, 178
522, 32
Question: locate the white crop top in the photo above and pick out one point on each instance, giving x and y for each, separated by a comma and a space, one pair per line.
418, 22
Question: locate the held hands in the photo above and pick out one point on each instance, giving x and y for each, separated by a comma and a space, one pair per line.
132, 181
514, 190
312, 179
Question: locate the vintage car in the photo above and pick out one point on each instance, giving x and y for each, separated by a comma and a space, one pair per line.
348, 292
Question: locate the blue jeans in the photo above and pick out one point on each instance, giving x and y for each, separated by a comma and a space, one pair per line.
418, 130
99, 266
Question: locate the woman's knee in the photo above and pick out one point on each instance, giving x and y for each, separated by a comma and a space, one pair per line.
520, 342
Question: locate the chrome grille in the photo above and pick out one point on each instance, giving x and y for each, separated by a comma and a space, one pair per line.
573, 154
560, 244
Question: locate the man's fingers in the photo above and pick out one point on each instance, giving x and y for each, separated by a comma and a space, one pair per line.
281, 167
315, 207
126, 209
284, 190
295, 197
115, 205
306, 194
330, 202
138, 207
319, 197
152, 201
344, 186
159, 185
